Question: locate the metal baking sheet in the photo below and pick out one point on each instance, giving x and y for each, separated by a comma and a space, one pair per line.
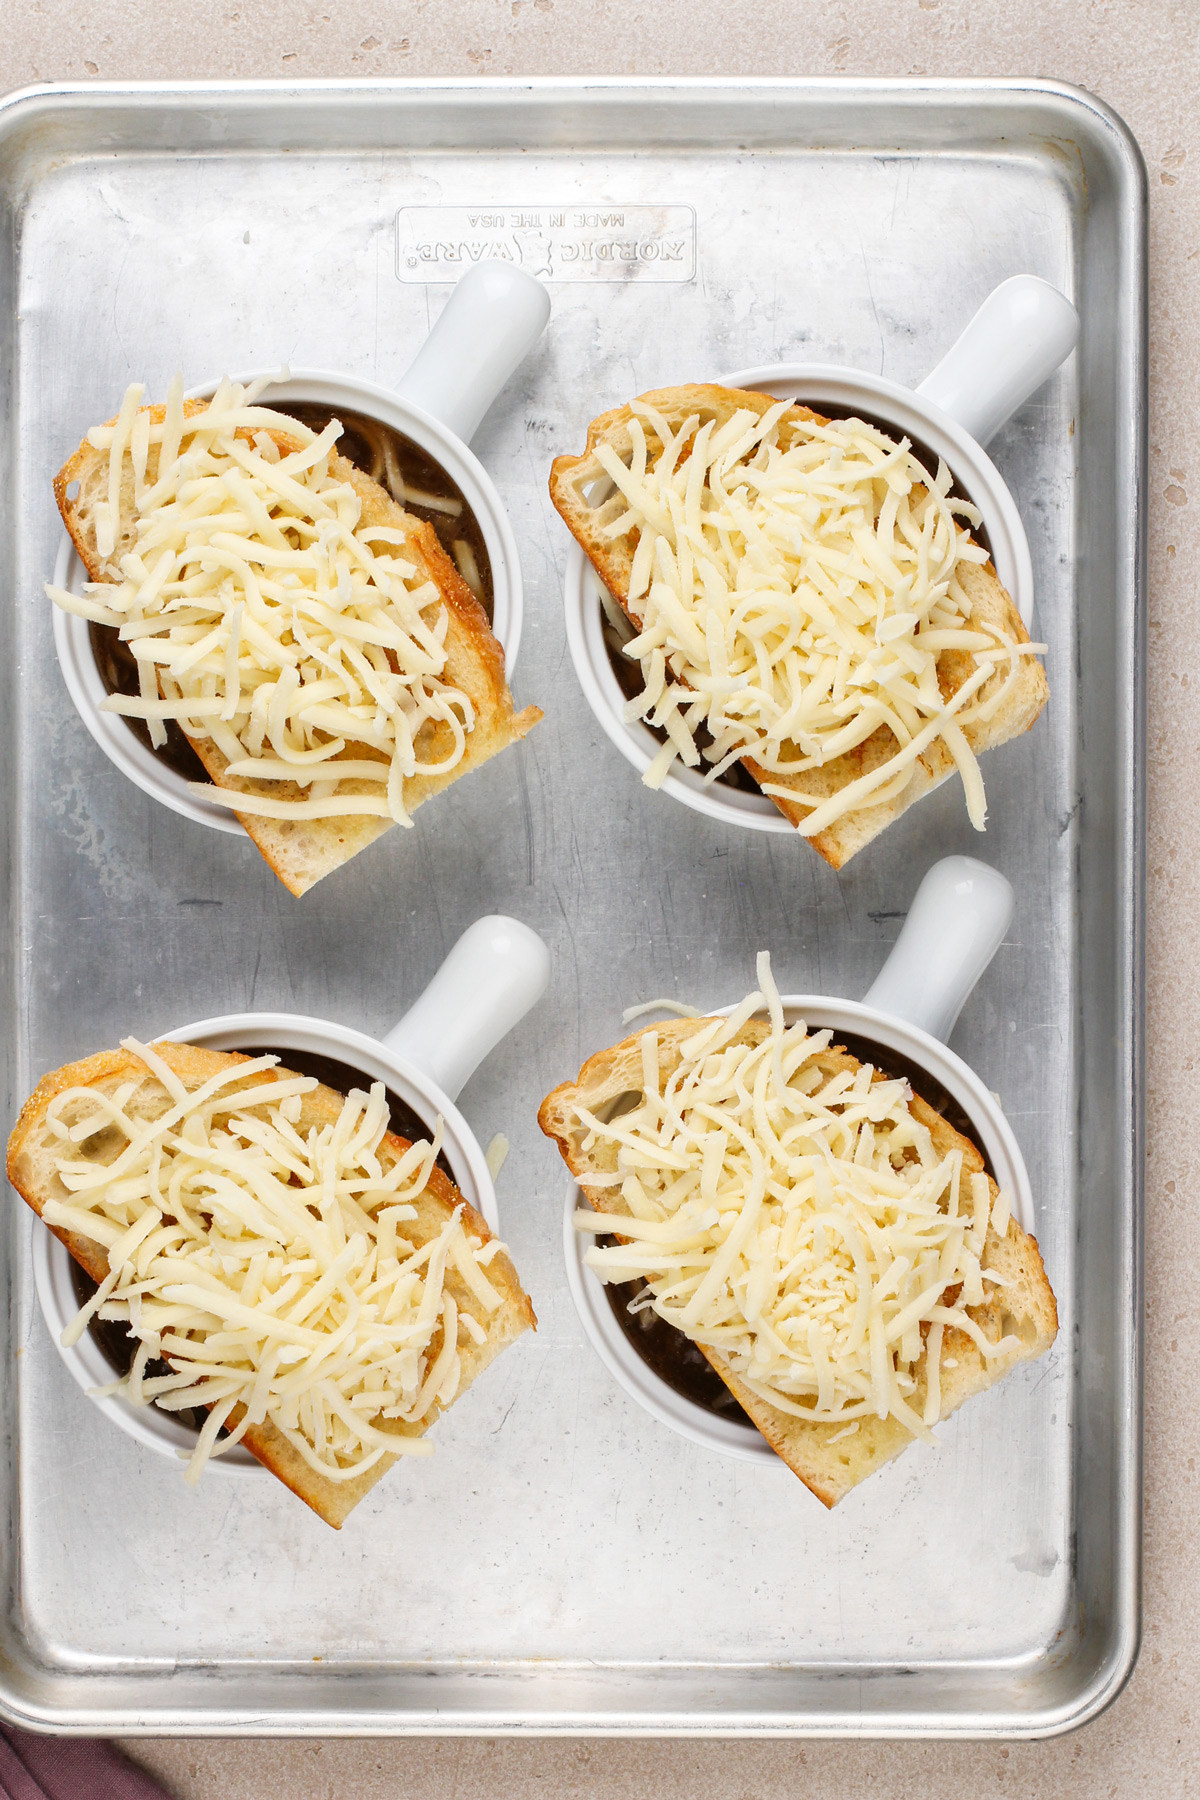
565, 1564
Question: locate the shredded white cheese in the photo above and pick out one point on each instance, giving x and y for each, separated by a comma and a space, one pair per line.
679, 1007
795, 585
265, 617
800, 1223
274, 1269
496, 1154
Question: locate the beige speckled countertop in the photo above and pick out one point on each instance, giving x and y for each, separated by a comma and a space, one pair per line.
1143, 57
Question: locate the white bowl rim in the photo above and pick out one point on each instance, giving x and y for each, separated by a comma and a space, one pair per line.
73, 645
604, 1333
971, 465
88, 1367
52, 1260
655, 1396
123, 749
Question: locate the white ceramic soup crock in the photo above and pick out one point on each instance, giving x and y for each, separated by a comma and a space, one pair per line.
487, 328
1019, 336
956, 924
493, 975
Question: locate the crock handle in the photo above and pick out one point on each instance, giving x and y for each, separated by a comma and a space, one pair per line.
954, 927
1016, 340
486, 329
491, 978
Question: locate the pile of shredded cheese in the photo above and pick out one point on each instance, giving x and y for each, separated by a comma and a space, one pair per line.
801, 1224
263, 616
795, 600
272, 1268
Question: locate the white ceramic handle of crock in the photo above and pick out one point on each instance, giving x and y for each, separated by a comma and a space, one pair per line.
487, 328
489, 981
954, 927
1016, 340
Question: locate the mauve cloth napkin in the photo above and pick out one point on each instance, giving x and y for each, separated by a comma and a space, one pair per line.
48, 1768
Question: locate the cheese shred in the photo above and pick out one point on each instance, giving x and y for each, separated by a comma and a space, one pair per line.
277, 1269
794, 585
266, 619
794, 1216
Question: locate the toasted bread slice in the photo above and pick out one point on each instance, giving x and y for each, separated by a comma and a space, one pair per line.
31, 1159
1025, 1308
571, 479
302, 851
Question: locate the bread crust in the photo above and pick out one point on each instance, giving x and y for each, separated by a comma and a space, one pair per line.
302, 851
28, 1172
1025, 1307
612, 559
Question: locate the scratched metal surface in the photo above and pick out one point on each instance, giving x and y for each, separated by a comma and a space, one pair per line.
563, 1562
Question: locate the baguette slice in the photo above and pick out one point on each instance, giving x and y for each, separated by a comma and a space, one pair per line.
302, 851
31, 1157
612, 558
1026, 1308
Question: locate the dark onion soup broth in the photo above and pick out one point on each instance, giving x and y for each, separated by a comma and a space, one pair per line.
118, 1346
399, 466
630, 680
672, 1356
119, 673
117, 1343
